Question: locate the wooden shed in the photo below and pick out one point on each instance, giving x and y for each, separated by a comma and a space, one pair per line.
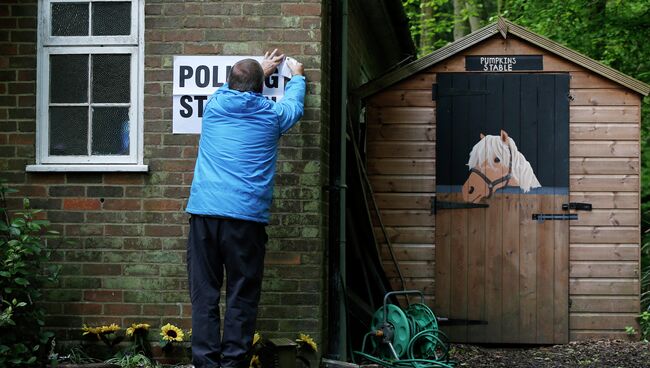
507, 172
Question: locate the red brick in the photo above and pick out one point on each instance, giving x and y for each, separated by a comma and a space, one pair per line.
82, 308
163, 230
272, 258
101, 269
26, 75
162, 205
198, 49
123, 204
184, 36
122, 309
123, 178
20, 139
301, 9
177, 165
27, 101
45, 178
187, 310
123, 230
153, 88
84, 229
9, 49
161, 310
81, 204
31, 190
103, 295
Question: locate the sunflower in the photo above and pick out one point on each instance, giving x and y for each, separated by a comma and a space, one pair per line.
306, 339
170, 333
255, 362
256, 338
91, 330
112, 328
137, 328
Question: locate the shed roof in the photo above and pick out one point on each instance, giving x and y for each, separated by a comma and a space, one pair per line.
504, 27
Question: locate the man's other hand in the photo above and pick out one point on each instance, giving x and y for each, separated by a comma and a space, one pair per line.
271, 61
295, 66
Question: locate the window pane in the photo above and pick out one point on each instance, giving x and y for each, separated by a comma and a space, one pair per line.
110, 131
68, 78
70, 19
111, 19
111, 76
68, 131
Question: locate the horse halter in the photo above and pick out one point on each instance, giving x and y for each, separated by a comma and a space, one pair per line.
493, 183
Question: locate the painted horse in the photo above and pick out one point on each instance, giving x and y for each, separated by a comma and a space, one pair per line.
494, 163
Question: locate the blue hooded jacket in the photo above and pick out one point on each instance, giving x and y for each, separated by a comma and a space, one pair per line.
235, 167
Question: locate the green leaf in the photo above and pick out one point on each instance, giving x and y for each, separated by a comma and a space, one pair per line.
21, 281
5, 274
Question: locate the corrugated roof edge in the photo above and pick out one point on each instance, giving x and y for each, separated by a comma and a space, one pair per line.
486, 32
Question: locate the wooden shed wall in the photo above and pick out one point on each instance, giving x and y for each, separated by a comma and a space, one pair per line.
604, 169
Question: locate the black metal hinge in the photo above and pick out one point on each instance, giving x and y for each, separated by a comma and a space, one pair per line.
541, 217
441, 205
576, 206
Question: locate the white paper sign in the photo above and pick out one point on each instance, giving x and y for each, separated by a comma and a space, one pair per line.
196, 78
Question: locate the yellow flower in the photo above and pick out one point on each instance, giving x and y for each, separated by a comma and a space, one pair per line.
137, 327
189, 333
308, 340
110, 329
255, 362
256, 338
170, 332
91, 330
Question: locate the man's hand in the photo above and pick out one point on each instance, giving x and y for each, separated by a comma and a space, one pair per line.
296, 67
271, 61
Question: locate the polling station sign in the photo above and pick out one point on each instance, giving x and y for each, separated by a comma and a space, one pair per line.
196, 78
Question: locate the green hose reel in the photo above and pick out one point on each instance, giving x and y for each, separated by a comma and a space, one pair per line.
397, 331
410, 336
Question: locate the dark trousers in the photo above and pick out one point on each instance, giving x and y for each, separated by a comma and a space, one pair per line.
238, 247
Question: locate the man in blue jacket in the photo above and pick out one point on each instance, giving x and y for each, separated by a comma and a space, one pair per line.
229, 203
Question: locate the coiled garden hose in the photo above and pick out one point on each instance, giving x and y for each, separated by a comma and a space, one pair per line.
406, 338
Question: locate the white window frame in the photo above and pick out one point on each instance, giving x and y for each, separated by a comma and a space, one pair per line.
51, 45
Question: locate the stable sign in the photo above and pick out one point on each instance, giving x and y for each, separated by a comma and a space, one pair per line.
196, 78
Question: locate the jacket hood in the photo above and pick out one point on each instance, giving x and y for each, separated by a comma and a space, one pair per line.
234, 102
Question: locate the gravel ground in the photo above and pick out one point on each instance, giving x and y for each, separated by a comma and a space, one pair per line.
585, 354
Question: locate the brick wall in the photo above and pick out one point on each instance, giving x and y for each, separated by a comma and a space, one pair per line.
129, 230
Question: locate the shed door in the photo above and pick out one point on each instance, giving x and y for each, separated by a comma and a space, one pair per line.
502, 276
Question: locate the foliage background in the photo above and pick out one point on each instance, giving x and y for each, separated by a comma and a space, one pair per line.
614, 32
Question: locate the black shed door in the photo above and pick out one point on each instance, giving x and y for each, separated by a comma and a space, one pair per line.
502, 165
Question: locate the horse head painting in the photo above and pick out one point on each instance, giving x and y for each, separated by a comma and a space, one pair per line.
494, 163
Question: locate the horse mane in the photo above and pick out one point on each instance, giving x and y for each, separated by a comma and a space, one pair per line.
492, 145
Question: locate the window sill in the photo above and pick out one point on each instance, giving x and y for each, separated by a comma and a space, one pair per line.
86, 168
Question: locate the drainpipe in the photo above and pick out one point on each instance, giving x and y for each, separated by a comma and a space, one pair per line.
343, 330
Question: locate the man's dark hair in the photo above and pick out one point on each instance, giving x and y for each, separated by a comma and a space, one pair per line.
246, 76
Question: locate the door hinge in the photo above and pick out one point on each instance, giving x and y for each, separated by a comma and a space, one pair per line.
541, 217
434, 92
441, 205
576, 206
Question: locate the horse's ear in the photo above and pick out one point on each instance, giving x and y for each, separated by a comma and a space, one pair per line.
504, 136
482, 135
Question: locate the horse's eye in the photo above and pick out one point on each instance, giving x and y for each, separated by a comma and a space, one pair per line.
496, 159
